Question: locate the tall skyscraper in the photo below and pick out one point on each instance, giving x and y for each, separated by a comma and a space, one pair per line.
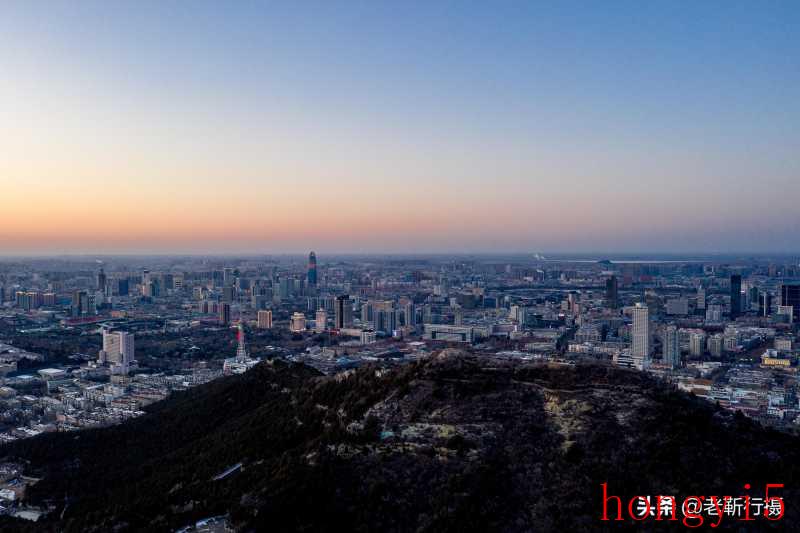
118, 351
701, 298
224, 313
227, 277
265, 319
612, 289
101, 280
672, 350
736, 295
640, 349
697, 344
312, 269
410, 314
297, 322
790, 296
765, 304
343, 312
321, 321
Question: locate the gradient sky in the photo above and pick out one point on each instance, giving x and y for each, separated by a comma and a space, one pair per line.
614, 126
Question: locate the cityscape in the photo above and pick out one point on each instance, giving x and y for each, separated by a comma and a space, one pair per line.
89, 342
430, 267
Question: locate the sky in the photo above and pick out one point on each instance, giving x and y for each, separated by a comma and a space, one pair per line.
358, 127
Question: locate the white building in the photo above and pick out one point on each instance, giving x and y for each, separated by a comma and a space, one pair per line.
297, 323
640, 349
118, 351
697, 344
321, 321
265, 319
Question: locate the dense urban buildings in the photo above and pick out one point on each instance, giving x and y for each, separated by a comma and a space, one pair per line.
77, 353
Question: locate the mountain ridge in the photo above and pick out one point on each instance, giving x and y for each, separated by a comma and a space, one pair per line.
456, 442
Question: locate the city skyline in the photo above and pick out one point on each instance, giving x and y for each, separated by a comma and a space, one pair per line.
417, 128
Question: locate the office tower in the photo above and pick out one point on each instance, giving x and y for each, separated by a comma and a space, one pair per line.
101, 281
284, 288
82, 303
312, 269
297, 323
367, 313
123, 287
715, 344
790, 296
701, 298
227, 277
118, 351
572, 300
736, 295
344, 312
612, 292
321, 320
765, 304
225, 313
752, 299
697, 344
228, 294
672, 350
410, 314
641, 335
265, 319
146, 288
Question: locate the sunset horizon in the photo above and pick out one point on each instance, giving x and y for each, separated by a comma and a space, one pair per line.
378, 128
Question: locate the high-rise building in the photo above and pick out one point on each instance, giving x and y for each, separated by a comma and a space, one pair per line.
228, 293
321, 320
715, 345
672, 349
790, 296
736, 296
224, 313
612, 292
343, 312
410, 314
701, 298
297, 322
265, 319
227, 277
697, 344
752, 299
640, 349
101, 281
312, 269
118, 351
367, 313
765, 304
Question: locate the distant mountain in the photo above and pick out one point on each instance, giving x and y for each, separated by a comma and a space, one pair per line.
454, 443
